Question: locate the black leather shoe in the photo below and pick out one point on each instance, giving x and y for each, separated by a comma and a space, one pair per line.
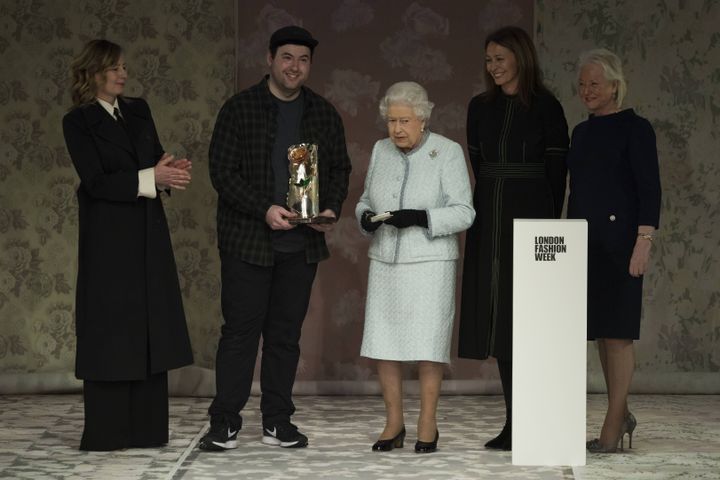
427, 447
502, 441
386, 445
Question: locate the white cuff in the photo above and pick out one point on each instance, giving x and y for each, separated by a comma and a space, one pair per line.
146, 183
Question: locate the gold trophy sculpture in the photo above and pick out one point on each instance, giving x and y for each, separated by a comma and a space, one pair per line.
303, 187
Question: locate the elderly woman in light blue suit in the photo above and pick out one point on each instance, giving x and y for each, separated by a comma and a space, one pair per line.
417, 199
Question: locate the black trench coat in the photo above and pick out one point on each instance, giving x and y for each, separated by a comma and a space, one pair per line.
129, 315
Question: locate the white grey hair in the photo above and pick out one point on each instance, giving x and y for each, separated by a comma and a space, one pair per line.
407, 93
612, 67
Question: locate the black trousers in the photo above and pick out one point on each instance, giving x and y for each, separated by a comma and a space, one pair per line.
125, 414
260, 301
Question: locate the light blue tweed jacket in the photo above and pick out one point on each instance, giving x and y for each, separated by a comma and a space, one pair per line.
431, 177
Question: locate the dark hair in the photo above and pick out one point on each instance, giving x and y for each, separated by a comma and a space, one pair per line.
96, 57
521, 45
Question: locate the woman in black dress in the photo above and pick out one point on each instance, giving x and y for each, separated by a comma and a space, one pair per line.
517, 141
130, 323
615, 185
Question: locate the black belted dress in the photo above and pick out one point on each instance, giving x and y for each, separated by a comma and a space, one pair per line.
517, 153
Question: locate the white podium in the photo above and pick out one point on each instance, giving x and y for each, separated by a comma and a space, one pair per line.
549, 342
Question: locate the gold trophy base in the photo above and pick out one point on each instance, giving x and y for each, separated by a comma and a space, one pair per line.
316, 220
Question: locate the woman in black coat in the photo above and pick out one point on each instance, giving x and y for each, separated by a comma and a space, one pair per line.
615, 185
130, 323
517, 140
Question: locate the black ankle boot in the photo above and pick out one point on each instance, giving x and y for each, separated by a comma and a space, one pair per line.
502, 441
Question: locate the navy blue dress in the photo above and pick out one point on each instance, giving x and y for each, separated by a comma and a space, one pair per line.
615, 185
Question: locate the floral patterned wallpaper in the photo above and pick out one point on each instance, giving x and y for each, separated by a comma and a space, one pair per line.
671, 56
181, 58
186, 57
365, 46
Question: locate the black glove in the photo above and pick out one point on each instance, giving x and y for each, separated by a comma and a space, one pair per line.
408, 218
365, 222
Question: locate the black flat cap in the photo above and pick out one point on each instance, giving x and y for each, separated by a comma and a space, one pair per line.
293, 35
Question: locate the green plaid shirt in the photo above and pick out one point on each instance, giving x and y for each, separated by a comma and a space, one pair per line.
241, 170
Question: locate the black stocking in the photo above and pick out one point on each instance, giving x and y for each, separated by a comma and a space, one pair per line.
504, 440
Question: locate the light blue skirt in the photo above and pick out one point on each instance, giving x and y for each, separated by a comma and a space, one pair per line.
409, 311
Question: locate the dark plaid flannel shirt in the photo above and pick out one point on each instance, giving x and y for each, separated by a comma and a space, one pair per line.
241, 170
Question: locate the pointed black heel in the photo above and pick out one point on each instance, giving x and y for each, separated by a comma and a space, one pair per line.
427, 447
386, 445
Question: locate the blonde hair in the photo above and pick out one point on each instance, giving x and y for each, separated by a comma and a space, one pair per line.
407, 93
96, 57
612, 68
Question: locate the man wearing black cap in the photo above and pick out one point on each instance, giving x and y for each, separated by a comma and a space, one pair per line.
268, 265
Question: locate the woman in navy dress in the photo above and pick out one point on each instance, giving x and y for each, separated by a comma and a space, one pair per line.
615, 185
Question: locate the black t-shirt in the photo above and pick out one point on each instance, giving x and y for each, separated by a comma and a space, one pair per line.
288, 133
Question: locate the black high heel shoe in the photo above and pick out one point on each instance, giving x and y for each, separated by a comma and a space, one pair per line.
427, 447
386, 445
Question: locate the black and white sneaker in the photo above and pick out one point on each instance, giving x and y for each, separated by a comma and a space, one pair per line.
220, 437
283, 434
